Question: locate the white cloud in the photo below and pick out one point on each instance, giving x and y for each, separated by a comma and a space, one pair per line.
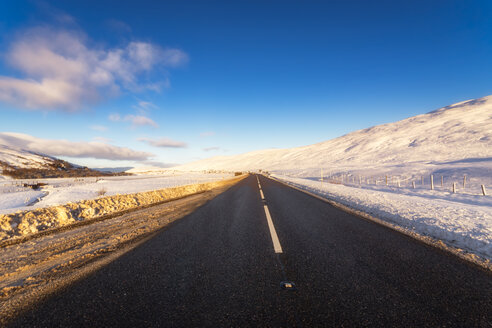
144, 106
174, 57
164, 143
62, 71
139, 120
82, 149
100, 128
145, 55
136, 120
47, 93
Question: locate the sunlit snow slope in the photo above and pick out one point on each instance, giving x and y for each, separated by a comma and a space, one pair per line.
19, 158
459, 132
23, 164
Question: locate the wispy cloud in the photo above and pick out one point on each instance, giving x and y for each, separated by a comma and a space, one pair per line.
82, 149
139, 120
55, 14
143, 107
211, 148
164, 143
118, 26
100, 128
62, 71
135, 120
207, 134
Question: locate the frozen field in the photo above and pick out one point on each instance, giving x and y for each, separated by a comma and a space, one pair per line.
462, 220
14, 196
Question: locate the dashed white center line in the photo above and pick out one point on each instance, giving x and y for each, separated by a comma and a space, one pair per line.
273, 233
276, 243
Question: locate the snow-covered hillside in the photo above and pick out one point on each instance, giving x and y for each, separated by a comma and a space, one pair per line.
22, 164
24, 159
459, 132
386, 171
18, 158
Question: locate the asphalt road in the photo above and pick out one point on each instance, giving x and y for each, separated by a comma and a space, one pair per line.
217, 267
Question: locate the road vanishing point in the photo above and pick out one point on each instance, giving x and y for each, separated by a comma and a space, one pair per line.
262, 254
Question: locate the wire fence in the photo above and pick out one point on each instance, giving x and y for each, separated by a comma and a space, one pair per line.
418, 182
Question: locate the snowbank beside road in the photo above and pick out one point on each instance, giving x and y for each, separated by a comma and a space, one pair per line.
24, 223
463, 225
15, 197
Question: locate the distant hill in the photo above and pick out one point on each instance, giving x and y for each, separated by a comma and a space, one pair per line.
459, 132
23, 164
113, 169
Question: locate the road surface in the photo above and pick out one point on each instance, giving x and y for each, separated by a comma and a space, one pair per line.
222, 266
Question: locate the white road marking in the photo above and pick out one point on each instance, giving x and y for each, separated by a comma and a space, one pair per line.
273, 233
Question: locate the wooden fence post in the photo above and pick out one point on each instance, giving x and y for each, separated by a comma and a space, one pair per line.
432, 182
484, 192
413, 184
454, 187
464, 181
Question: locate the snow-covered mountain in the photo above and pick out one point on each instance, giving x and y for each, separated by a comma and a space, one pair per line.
18, 158
19, 163
459, 133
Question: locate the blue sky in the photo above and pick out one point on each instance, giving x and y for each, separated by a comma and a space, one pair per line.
125, 83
